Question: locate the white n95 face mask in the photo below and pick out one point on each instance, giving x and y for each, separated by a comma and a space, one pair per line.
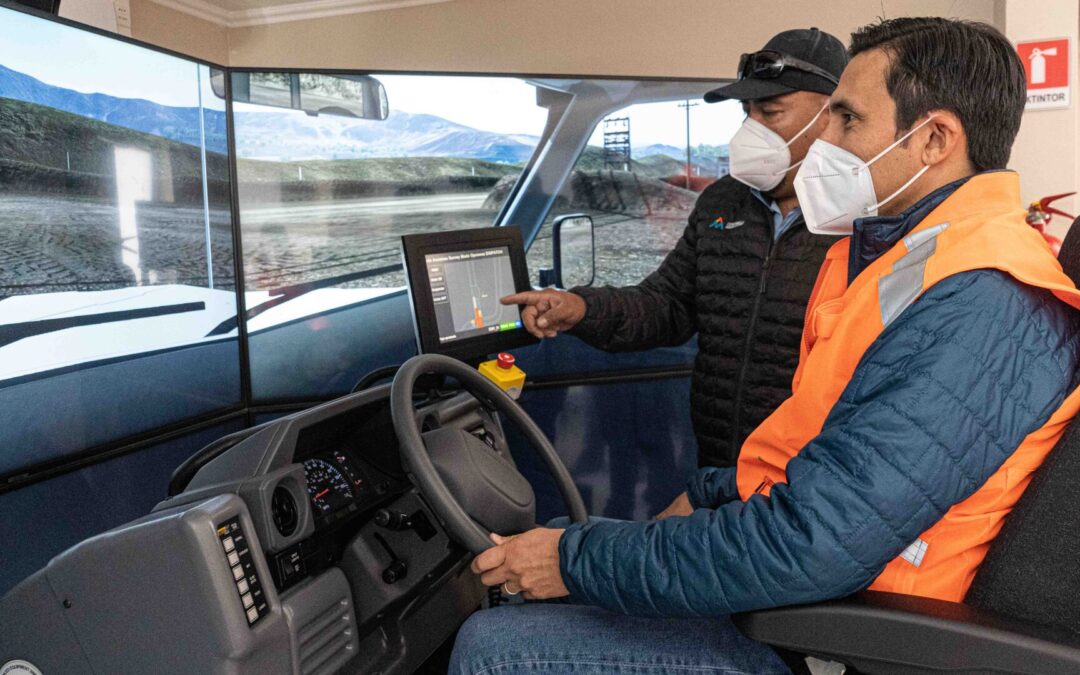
759, 156
834, 186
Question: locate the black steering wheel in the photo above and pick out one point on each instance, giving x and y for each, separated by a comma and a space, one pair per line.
473, 488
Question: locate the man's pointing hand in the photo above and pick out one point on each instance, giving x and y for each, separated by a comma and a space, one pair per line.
548, 312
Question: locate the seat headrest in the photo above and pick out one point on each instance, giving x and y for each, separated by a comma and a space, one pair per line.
1069, 257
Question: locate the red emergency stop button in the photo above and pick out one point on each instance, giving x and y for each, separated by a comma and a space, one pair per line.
505, 360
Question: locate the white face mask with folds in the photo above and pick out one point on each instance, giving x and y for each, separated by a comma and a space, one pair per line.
759, 156
834, 186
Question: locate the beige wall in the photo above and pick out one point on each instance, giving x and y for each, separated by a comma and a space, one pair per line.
179, 32
689, 38
1046, 153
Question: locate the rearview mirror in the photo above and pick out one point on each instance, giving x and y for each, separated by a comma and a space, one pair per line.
359, 96
574, 251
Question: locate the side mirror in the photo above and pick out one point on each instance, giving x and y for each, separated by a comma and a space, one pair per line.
574, 251
359, 96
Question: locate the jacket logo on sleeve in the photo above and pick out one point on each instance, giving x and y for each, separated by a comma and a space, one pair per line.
719, 224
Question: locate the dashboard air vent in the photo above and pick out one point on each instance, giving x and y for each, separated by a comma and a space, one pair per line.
327, 642
283, 508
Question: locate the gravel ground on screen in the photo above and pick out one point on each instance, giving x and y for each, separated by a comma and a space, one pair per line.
52, 244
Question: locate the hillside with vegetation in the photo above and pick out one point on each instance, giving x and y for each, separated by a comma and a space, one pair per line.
43, 149
398, 169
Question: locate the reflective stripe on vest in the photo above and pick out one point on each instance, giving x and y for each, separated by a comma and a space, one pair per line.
899, 289
980, 226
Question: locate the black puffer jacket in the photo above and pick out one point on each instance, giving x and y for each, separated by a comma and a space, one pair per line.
744, 294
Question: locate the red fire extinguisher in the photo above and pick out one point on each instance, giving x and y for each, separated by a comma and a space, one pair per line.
1039, 215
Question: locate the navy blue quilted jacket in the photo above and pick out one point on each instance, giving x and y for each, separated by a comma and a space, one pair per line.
969, 369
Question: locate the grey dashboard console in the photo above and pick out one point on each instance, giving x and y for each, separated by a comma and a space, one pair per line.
303, 548
179, 591
371, 555
322, 624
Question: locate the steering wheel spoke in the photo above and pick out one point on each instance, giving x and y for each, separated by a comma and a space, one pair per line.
472, 488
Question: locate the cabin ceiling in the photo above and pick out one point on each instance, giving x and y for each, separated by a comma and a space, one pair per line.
239, 13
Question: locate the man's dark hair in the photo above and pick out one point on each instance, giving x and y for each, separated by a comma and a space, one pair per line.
965, 67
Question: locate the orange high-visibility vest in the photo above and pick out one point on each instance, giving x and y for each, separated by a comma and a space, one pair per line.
980, 226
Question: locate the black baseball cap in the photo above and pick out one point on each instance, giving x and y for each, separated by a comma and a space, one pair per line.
811, 45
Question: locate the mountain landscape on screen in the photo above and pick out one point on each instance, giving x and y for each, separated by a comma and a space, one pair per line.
288, 136
280, 136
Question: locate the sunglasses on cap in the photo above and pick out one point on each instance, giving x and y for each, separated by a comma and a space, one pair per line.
769, 64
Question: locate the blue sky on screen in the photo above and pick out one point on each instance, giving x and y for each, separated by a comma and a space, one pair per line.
509, 107
74, 59
665, 124
503, 105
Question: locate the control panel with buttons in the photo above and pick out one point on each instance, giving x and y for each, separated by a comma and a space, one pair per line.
238, 555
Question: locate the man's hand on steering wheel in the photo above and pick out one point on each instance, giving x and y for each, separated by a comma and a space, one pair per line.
525, 563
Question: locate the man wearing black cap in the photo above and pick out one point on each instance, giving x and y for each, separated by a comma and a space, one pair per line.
742, 273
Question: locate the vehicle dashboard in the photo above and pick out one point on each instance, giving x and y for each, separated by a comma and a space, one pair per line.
351, 469
305, 548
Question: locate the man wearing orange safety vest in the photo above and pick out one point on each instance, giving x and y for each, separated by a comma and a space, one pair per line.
939, 366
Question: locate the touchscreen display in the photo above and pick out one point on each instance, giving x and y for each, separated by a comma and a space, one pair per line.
465, 290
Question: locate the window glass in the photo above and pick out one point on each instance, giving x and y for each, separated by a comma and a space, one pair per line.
116, 262
632, 180
325, 199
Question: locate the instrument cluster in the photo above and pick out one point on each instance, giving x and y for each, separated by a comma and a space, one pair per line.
337, 485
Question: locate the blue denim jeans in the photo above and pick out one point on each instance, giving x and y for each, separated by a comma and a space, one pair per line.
561, 637
567, 638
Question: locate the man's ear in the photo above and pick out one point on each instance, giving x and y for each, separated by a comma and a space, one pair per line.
946, 140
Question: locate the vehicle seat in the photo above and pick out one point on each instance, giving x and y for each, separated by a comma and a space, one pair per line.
1030, 571
1021, 614
1069, 256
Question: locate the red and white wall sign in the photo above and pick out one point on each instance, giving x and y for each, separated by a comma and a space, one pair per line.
1046, 63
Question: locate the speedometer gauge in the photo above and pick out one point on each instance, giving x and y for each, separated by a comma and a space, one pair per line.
328, 488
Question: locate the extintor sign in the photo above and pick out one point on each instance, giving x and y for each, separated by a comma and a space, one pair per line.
1046, 65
